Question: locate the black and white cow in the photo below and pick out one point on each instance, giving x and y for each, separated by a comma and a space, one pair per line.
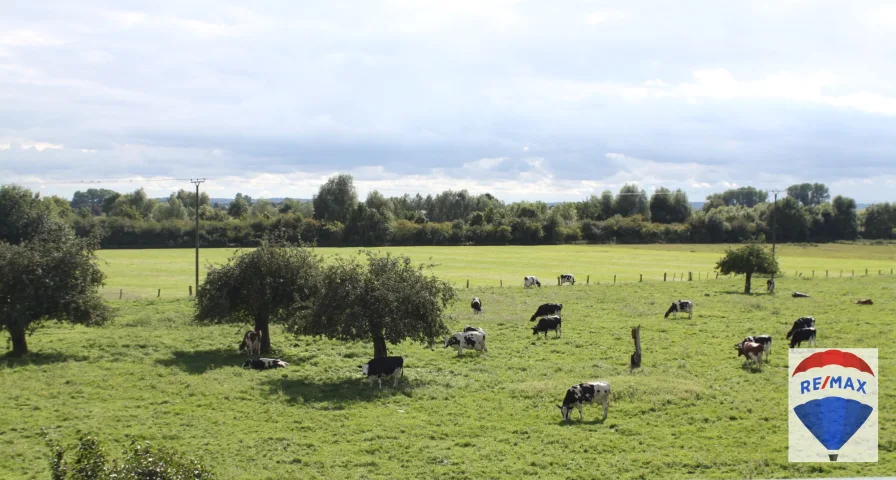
683, 306
770, 285
547, 309
567, 278
752, 351
472, 340
251, 344
803, 335
585, 393
377, 368
802, 322
552, 322
476, 305
529, 281
799, 295
764, 340
265, 363
470, 328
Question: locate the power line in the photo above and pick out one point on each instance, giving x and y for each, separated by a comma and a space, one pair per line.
120, 180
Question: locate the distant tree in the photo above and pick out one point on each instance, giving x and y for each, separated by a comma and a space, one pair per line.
22, 213
336, 199
607, 205
133, 206
681, 207
801, 192
93, 199
173, 209
746, 197
589, 209
262, 208
384, 300
661, 206
260, 286
52, 275
207, 213
878, 221
303, 208
748, 260
238, 208
632, 201
845, 219
819, 194
368, 226
790, 219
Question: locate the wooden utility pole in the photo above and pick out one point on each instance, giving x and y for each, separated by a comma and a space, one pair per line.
636, 357
197, 182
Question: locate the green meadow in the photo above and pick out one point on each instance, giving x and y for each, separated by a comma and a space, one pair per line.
691, 411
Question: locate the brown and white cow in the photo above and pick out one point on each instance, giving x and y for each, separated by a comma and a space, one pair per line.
752, 350
251, 343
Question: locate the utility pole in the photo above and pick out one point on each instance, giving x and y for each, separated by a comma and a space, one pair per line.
197, 182
774, 224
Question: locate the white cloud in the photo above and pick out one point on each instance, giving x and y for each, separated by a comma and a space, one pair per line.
41, 146
485, 163
28, 38
87, 150
4, 146
603, 16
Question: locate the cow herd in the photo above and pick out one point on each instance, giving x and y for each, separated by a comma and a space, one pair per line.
755, 348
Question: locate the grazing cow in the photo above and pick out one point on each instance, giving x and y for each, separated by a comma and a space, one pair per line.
251, 343
752, 350
799, 295
265, 363
469, 328
867, 301
802, 322
567, 278
764, 340
547, 323
684, 306
803, 335
476, 305
770, 285
529, 281
585, 393
378, 368
472, 340
547, 309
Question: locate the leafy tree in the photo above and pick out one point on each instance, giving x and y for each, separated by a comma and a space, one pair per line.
385, 300
631, 201
188, 200
878, 221
22, 213
790, 219
302, 208
607, 205
263, 208
746, 197
173, 209
748, 260
238, 208
661, 209
809, 194
845, 218
589, 209
52, 275
336, 199
260, 286
93, 199
208, 213
133, 206
368, 226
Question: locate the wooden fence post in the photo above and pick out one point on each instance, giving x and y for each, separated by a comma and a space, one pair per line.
717, 275
120, 293
636, 357
813, 273
853, 273
558, 281
468, 283
673, 276
825, 274
664, 276
641, 279
502, 283
866, 272
191, 290
614, 278
841, 273
160, 294
588, 280
690, 276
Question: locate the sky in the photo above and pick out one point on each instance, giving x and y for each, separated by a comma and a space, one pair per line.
525, 100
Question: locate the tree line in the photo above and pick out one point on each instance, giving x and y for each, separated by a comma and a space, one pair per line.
337, 217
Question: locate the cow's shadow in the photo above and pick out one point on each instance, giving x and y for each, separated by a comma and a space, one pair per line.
39, 358
337, 393
200, 361
576, 421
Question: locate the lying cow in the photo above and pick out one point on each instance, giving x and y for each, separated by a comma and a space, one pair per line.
251, 344
770, 285
802, 322
529, 281
752, 350
469, 328
567, 278
764, 340
265, 363
476, 305
799, 295
585, 393
472, 340
803, 335
378, 368
683, 306
867, 301
552, 322
547, 309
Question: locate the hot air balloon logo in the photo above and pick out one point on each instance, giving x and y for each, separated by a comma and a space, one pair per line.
833, 405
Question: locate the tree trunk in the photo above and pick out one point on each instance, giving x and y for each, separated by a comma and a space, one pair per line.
749, 276
262, 325
379, 347
19, 343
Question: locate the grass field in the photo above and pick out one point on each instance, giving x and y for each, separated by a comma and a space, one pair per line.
139, 274
692, 411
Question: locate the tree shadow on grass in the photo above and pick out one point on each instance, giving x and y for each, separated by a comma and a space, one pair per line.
341, 392
198, 362
39, 358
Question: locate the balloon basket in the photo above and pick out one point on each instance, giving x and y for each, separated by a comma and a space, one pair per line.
833, 457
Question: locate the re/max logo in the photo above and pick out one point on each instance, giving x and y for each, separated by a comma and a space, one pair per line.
819, 383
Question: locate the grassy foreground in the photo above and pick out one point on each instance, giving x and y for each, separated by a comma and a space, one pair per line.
690, 412
140, 274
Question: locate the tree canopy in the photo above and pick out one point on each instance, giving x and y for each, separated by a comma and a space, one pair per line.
260, 286
336, 199
748, 260
384, 300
